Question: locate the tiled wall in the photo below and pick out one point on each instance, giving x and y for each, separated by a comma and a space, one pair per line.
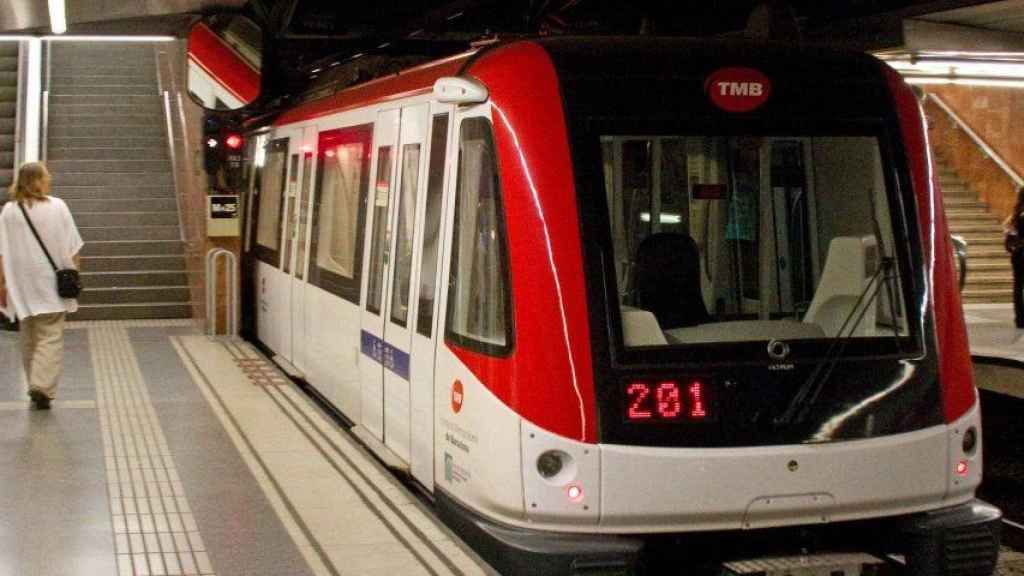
187, 119
996, 115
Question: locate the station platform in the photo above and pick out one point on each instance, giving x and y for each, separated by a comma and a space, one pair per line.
168, 452
992, 332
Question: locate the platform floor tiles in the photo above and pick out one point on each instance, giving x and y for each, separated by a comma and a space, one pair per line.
168, 452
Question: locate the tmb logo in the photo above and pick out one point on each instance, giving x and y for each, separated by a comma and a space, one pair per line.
738, 89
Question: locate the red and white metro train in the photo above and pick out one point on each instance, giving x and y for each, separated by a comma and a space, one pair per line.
610, 297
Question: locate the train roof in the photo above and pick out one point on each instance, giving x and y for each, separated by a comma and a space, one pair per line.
595, 56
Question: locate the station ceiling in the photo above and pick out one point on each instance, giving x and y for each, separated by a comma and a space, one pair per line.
313, 30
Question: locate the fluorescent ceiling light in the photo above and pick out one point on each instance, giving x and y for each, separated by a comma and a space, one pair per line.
111, 38
58, 17
991, 82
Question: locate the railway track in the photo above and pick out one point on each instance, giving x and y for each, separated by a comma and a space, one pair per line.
1001, 388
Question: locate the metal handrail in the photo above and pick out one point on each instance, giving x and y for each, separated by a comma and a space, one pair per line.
231, 271
978, 140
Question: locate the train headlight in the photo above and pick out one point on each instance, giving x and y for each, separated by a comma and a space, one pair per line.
550, 463
970, 441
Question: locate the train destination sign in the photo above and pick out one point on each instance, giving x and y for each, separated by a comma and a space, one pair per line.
667, 401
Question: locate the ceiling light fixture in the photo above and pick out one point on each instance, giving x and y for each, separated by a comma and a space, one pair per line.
58, 16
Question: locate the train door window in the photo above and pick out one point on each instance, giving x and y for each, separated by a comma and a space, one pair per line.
307, 179
380, 234
432, 224
479, 313
289, 230
257, 150
339, 212
406, 221
268, 225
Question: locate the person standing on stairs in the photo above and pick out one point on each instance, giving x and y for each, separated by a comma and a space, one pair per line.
28, 285
1013, 227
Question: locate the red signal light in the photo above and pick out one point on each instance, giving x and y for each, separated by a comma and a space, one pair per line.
233, 141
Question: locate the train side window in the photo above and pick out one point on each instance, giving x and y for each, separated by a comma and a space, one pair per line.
432, 224
307, 179
479, 311
410, 182
289, 235
382, 187
268, 226
339, 211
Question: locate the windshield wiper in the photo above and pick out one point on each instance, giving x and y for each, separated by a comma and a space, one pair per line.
811, 388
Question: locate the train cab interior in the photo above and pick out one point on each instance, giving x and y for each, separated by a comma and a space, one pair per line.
725, 239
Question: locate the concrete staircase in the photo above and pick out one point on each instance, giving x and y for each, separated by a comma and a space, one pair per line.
989, 274
8, 112
107, 150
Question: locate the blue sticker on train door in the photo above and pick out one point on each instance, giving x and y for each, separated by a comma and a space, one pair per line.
395, 360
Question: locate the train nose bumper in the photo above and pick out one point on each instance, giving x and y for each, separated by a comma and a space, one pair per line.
958, 541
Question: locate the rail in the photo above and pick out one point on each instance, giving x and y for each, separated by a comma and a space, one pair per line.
1003, 165
231, 284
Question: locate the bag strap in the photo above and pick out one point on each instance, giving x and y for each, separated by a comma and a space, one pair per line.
36, 234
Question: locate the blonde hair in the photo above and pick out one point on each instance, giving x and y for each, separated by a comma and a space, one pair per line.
31, 184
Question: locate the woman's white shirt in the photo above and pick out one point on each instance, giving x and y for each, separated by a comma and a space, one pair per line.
31, 281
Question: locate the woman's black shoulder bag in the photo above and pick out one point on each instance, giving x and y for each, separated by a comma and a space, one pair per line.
69, 283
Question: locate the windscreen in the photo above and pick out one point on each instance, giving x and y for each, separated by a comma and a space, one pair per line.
731, 238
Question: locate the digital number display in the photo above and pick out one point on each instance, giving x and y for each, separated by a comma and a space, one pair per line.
667, 401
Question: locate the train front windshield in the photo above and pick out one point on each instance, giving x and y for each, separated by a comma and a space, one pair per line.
743, 238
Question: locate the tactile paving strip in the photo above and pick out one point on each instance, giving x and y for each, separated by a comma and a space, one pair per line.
155, 533
261, 372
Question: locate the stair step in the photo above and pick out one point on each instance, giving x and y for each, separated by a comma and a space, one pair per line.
149, 153
134, 248
134, 279
61, 179
9, 63
107, 131
982, 238
90, 234
8, 93
69, 109
132, 263
1001, 264
60, 101
79, 205
94, 142
8, 48
7, 125
137, 295
132, 311
108, 166
991, 226
128, 121
93, 79
6, 142
985, 251
8, 109
965, 211
119, 219
108, 89
112, 192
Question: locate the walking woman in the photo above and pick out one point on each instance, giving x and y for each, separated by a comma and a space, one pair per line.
28, 284
1014, 229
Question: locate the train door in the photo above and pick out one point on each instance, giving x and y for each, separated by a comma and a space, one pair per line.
398, 328
271, 288
373, 352
301, 160
425, 326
